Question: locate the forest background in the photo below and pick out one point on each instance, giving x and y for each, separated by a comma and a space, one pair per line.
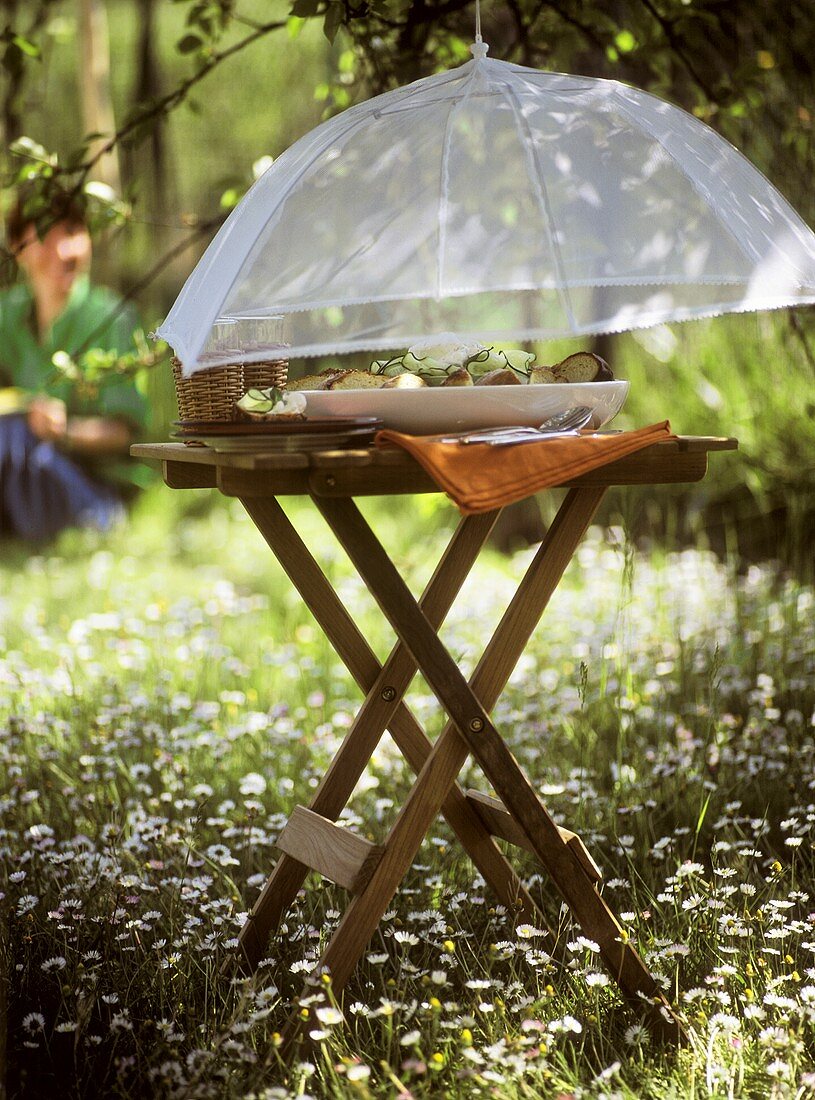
164, 111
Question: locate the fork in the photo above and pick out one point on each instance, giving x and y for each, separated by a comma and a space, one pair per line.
563, 423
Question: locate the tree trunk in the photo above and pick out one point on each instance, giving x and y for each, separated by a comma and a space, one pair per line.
14, 80
94, 87
148, 172
16, 70
148, 87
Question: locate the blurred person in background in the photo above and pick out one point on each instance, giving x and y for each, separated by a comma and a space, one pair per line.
63, 445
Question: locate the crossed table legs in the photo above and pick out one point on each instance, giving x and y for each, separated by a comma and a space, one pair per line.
373, 872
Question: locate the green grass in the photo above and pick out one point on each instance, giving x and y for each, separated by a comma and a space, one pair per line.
165, 700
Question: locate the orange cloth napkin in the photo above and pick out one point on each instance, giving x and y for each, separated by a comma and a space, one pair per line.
480, 477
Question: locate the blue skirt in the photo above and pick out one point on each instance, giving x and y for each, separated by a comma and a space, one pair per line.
42, 491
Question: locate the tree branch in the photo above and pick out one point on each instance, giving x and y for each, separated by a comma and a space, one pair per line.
586, 29
675, 44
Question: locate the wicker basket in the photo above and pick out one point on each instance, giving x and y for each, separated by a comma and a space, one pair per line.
211, 394
261, 376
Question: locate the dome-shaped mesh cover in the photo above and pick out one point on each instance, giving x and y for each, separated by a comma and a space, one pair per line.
500, 203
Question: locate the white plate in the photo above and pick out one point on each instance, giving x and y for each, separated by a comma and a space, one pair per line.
323, 441
458, 408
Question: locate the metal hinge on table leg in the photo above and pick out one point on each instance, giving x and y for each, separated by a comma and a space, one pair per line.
336, 853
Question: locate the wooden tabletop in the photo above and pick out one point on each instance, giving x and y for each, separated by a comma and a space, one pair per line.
375, 471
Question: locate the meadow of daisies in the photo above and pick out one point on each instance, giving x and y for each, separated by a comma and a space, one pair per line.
165, 700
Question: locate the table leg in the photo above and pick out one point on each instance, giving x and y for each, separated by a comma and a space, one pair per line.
465, 704
385, 687
450, 750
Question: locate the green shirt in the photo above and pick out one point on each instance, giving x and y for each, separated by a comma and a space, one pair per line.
94, 317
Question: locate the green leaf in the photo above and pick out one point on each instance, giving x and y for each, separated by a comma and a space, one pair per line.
701, 816
294, 24
625, 41
27, 147
510, 213
189, 43
230, 198
333, 21
459, 49
28, 172
26, 46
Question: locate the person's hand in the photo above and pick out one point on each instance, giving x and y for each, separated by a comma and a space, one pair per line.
48, 418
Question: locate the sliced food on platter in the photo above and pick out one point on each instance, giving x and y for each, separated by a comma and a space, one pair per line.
449, 385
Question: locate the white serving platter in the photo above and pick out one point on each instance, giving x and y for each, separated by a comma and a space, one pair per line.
435, 409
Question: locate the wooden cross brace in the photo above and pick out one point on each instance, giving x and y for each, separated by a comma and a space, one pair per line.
372, 873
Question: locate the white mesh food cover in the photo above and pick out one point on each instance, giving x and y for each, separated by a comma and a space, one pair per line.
497, 202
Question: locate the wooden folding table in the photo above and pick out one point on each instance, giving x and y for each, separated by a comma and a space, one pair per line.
311, 839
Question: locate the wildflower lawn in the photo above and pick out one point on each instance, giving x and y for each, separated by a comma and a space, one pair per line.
165, 701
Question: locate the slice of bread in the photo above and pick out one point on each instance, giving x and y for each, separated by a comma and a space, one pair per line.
356, 380
541, 375
583, 366
460, 377
501, 377
406, 381
319, 381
